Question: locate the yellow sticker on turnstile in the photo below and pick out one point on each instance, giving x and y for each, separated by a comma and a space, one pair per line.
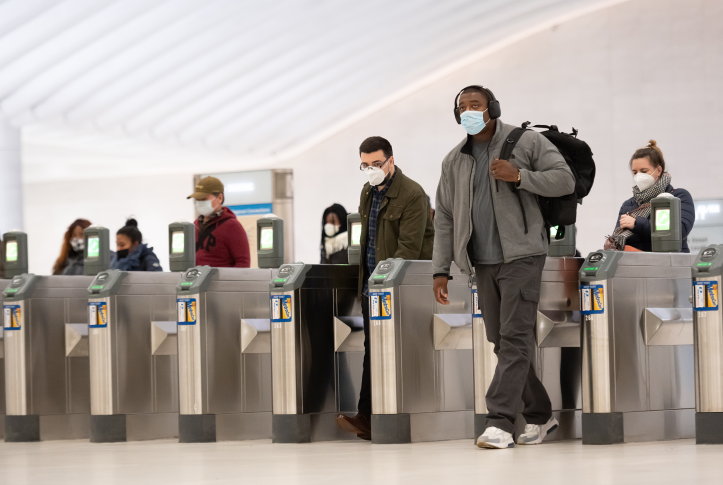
11, 317
97, 314
280, 308
380, 305
186, 311
592, 299
705, 294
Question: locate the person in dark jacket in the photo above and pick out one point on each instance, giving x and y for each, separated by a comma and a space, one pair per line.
632, 231
70, 261
396, 223
131, 254
334, 237
221, 240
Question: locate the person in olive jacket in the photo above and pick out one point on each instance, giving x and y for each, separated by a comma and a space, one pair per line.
396, 223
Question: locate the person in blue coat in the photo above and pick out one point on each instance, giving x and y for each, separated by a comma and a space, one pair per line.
632, 231
131, 254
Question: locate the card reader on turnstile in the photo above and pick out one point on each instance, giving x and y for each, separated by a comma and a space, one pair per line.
270, 241
562, 241
182, 241
97, 250
708, 341
354, 229
15, 245
665, 234
19, 424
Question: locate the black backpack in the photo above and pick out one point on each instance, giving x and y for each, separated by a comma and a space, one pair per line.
559, 211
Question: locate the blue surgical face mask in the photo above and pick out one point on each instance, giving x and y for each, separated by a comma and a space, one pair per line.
473, 121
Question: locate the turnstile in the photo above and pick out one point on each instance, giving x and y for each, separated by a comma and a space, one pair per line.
47, 386
224, 354
637, 347
133, 356
309, 379
421, 355
3, 284
708, 341
558, 357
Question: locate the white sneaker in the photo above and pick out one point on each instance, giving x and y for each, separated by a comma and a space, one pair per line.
535, 433
495, 438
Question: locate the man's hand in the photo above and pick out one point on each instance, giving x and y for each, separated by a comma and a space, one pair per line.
627, 222
504, 170
440, 290
608, 244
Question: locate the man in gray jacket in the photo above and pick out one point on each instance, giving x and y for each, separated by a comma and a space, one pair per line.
489, 223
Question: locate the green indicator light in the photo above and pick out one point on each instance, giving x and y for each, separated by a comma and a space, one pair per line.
280, 279
704, 264
11, 290
97, 287
591, 269
187, 283
379, 277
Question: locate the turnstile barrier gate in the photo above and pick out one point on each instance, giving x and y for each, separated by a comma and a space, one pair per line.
421, 355
637, 352
133, 356
708, 340
307, 379
224, 354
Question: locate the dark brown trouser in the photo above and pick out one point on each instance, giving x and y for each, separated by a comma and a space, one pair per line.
508, 297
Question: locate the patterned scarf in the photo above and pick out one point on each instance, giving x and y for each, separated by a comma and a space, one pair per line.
643, 198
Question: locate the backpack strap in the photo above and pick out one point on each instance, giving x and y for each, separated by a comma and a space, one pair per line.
506, 153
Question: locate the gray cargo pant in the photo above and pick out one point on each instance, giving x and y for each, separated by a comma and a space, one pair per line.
508, 296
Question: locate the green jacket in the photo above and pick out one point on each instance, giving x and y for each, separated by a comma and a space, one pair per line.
404, 225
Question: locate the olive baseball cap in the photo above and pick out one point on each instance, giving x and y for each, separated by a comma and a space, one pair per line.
207, 186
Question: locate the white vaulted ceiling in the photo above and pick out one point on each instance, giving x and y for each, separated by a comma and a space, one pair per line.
246, 83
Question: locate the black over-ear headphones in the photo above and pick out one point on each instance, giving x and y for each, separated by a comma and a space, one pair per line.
493, 107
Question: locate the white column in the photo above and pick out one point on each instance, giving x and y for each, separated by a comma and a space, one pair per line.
11, 179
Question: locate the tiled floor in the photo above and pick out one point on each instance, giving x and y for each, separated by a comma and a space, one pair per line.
345, 463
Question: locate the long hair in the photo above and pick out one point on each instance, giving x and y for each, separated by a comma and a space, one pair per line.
66, 248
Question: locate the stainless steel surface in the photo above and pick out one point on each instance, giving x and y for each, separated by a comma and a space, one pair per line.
668, 326
709, 358
190, 386
384, 362
16, 364
164, 338
103, 387
76, 340
485, 362
558, 329
284, 362
453, 331
255, 336
349, 334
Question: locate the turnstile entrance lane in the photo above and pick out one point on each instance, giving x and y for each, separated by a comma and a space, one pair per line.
46, 358
708, 340
637, 347
3, 284
133, 356
558, 355
304, 301
421, 355
224, 352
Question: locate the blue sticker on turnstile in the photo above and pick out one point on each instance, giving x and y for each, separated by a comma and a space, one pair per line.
476, 312
592, 299
97, 314
705, 296
186, 311
11, 317
380, 305
280, 308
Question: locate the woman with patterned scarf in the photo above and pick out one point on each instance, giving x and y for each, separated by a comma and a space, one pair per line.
632, 231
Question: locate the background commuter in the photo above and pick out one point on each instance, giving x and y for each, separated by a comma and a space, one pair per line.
632, 231
334, 237
131, 254
396, 223
221, 240
505, 247
70, 260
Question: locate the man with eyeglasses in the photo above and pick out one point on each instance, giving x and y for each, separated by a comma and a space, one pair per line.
396, 223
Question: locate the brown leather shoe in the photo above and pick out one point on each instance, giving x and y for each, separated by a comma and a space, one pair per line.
360, 425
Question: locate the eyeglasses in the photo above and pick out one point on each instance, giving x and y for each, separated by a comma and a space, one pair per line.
374, 164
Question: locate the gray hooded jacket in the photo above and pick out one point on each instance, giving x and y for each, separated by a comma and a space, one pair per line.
543, 171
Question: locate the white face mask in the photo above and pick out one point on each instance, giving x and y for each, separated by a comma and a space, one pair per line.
643, 180
375, 175
331, 229
78, 244
204, 207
